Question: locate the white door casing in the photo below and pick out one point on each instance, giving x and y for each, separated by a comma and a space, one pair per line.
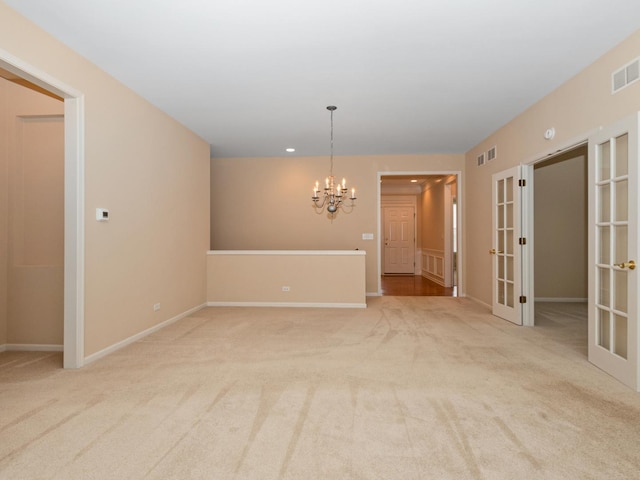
506, 251
449, 237
74, 288
613, 251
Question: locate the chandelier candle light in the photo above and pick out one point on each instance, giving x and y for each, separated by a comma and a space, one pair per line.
334, 193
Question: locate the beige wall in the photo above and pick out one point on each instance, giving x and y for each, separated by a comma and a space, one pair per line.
335, 279
575, 109
265, 203
561, 227
32, 247
433, 217
151, 173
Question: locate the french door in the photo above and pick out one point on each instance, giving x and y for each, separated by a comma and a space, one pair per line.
506, 250
613, 251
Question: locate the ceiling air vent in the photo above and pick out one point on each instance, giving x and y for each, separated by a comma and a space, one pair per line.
491, 154
481, 159
625, 76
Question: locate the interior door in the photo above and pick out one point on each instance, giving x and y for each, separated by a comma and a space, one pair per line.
613, 251
399, 240
506, 249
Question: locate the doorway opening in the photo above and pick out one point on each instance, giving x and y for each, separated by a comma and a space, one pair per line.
73, 283
560, 251
419, 225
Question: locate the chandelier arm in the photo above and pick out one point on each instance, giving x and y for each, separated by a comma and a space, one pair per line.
321, 205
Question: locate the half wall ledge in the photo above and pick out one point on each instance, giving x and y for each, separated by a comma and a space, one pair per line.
286, 278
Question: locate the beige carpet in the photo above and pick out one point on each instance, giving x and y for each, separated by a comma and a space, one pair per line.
409, 388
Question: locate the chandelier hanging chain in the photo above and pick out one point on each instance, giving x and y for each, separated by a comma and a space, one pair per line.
331, 109
334, 193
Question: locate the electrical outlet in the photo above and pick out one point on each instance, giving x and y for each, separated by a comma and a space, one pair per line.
286, 289
156, 307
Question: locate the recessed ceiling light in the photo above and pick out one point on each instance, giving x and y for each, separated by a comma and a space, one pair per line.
414, 181
290, 150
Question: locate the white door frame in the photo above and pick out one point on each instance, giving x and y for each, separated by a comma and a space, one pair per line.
458, 174
528, 260
528, 212
448, 234
73, 355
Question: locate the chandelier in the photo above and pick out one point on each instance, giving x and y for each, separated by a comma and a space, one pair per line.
334, 193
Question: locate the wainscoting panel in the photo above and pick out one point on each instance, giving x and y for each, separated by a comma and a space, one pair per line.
433, 265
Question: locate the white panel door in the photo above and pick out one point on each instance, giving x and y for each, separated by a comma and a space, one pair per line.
399, 240
613, 251
506, 250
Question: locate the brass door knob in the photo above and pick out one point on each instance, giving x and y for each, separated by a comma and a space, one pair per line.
493, 251
631, 265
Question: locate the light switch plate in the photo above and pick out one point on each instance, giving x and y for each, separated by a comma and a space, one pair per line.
367, 236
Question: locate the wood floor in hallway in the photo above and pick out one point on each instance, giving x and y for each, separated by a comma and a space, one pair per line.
415, 286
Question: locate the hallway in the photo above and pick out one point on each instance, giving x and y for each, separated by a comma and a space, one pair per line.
414, 285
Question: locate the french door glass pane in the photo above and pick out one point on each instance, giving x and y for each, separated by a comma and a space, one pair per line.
509, 242
622, 155
500, 191
509, 189
500, 267
500, 216
509, 215
621, 245
604, 245
620, 347
501, 292
604, 203
621, 200
604, 152
510, 298
604, 329
510, 268
603, 291
501, 235
620, 287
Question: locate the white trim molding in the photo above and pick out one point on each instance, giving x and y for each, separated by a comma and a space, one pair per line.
288, 252
561, 300
30, 347
74, 160
138, 336
287, 304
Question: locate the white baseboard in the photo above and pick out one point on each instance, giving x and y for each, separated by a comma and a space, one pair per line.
373, 294
561, 300
134, 338
479, 302
433, 277
287, 304
30, 347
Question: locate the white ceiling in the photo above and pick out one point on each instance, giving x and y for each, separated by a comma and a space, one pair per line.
253, 77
